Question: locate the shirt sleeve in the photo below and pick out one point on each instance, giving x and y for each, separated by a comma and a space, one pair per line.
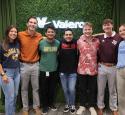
0, 54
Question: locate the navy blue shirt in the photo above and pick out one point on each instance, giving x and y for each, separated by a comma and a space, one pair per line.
9, 59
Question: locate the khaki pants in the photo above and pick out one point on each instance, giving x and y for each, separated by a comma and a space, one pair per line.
107, 74
121, 90
29, 72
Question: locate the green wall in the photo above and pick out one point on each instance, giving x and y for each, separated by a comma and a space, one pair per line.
94, 11
74, 10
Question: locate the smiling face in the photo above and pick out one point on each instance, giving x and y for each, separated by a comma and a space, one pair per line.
32, 24
87, 30
12, 34
122, 31
68, 35
107, 28
50, 34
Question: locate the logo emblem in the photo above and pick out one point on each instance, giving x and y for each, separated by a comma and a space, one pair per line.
59, 23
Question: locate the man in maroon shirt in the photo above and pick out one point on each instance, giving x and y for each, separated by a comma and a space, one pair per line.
107, 71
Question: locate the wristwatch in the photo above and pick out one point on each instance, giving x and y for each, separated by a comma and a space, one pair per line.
2, 74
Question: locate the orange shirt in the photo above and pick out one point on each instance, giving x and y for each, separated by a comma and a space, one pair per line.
29, 46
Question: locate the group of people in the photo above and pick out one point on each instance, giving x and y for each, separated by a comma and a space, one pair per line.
89, 62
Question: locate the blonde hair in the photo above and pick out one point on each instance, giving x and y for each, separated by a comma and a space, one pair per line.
88, 24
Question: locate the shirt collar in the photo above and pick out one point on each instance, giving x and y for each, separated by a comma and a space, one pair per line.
85, 39
113, 34
34, 35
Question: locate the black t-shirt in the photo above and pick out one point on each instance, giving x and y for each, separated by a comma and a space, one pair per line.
68, 56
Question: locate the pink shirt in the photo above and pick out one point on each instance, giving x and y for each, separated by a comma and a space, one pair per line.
87, 64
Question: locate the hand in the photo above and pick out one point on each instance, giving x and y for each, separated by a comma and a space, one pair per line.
5, 79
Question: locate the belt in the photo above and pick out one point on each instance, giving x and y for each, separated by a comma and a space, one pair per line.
28, 62
108, 64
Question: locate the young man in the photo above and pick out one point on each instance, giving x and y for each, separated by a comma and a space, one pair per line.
68, 58
87, 69
29, 58
121, 72
107, 66
48, 69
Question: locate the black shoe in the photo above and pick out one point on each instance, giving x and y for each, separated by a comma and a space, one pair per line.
66, 109
72, 109
53, 108
45, 111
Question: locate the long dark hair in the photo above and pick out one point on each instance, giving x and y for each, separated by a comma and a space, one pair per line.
6, 41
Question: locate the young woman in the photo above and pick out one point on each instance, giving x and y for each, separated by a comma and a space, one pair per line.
121, 72
9, 69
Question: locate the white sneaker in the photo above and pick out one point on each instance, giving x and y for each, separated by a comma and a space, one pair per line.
80, 110
92, 111
72, 109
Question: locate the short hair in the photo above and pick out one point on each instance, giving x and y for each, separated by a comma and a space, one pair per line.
88, 24
68, 29
34, 17
50, 27
106, 21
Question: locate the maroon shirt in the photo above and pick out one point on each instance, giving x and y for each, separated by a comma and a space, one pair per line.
108, 48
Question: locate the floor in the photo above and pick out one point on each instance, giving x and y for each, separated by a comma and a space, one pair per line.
60, 111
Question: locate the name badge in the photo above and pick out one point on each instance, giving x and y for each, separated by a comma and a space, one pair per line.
47, 74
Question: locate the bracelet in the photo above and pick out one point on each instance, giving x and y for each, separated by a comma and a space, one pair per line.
2, 74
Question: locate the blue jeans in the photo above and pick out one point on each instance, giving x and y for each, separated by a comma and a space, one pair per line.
68, 82
10, 89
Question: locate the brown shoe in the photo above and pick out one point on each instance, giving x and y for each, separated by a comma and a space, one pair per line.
25, 113
100, 111
38, 111
115, 113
